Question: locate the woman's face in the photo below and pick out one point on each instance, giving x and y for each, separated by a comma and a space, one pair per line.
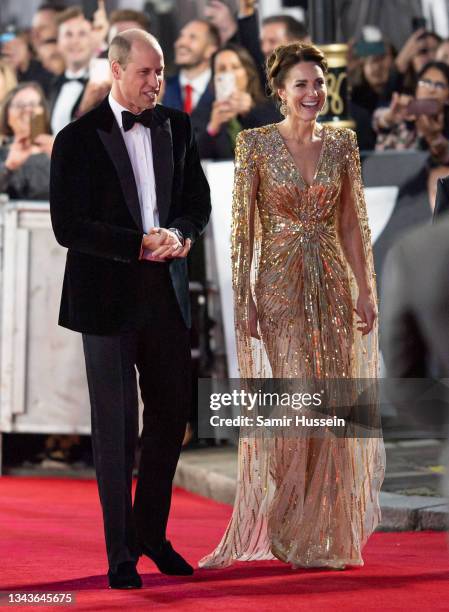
26, 103
433, 84
229, 61
304, 91
376, 69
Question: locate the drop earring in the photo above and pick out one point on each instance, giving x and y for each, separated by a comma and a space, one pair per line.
283, 109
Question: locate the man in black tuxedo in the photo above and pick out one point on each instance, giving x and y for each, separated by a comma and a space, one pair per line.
121, 175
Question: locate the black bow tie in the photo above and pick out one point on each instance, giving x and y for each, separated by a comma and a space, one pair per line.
128, 119
66, 79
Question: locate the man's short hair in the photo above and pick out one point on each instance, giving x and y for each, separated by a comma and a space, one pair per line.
130, 15
70, 13
51, 6
296, 30
213, 32
120, 45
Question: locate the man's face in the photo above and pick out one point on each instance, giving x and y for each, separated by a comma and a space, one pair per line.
75, 42
193, 46
43, 27
140, 82
50, 57
272, 35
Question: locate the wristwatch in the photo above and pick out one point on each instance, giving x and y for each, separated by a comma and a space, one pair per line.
178, 234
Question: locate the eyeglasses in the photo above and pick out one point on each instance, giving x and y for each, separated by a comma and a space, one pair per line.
432, 84
21, 106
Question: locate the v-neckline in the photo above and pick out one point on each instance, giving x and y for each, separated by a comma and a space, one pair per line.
292, 159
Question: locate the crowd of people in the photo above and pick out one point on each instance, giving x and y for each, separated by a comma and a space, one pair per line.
57, 71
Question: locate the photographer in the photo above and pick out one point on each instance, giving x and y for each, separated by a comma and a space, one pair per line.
239, 102
420, 122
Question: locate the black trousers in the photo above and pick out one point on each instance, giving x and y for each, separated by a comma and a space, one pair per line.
160, 350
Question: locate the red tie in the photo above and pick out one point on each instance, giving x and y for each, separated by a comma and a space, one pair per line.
188, 90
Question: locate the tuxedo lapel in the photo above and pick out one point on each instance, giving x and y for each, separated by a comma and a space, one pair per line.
114, 144
162, 147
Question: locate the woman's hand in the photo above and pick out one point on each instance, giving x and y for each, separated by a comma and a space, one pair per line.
367, 312
44, 143
222, 112
430, 127
253, 319
412, 47
240, 102
19, 152
397, 111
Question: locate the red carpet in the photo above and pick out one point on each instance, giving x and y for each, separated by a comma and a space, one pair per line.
52, 540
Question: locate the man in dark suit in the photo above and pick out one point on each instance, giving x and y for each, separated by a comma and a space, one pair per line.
128, 197
191, 88
415, 304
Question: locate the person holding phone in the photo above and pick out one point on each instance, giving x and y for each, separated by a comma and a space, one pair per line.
239, 102
419, 49
25, 156
421, 122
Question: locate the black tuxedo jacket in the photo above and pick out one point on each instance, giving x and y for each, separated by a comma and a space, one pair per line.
95, 213
55, 90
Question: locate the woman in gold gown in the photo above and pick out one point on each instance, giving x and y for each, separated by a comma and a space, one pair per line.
302, 266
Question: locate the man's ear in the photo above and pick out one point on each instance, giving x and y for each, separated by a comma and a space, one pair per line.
116, 70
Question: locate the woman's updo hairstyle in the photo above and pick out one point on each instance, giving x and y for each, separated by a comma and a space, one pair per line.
285, 57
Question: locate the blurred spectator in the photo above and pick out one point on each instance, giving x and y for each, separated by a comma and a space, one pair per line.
72, 95
369, 80
398, 129
44, 25
220, 15
125, 19
419, 49
100, 29
368, 86
191, 89
50, 57
245, 107
25, 164
280, 30
19, 56
8, 79
442, 54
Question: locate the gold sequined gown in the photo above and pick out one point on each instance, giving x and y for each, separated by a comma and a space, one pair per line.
311, 502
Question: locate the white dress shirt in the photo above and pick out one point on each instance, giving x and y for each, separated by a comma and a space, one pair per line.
198, 84
138, 144
68, 95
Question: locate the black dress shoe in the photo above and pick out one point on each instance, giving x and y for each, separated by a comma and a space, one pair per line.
167, 560
126, 577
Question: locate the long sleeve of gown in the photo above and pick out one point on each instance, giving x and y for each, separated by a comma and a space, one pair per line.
242, 244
